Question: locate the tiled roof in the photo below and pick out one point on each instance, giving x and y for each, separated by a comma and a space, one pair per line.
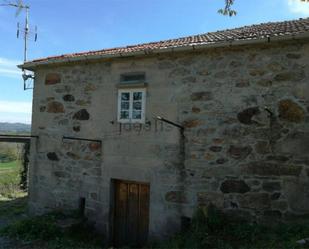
246, 33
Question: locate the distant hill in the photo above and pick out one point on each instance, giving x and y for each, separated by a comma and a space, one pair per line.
15, 128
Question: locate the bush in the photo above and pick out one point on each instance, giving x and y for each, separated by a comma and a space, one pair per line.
210, 228
9, 152
38, 228
44, 229
6, 158
9, 179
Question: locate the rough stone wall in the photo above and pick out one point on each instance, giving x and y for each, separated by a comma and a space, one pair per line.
81, 101
247, 127
246, 146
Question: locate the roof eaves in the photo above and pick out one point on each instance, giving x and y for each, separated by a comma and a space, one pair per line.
167, 49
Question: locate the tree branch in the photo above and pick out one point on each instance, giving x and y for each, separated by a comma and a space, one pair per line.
227, 10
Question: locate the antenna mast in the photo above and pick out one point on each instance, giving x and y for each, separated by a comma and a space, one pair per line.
26, 33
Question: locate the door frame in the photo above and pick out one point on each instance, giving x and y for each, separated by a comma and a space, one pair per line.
112, 212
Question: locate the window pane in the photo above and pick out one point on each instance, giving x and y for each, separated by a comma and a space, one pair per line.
137, 115
125, 105
125, 96
124, 115
137, 96
137, 105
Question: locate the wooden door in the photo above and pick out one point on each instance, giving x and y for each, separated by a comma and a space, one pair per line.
131, 214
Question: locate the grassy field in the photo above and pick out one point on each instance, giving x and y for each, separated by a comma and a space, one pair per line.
9, 179
35, 232
12, 199
8, 165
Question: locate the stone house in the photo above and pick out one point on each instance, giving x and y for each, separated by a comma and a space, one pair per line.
235, 130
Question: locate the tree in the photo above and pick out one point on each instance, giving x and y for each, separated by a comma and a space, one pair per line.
227, 10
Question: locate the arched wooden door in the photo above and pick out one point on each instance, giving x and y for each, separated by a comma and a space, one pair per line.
131, 214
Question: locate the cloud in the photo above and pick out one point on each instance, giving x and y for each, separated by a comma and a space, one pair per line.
15, 118
9, 71
8, 62
8, 68
299, 7
15, 107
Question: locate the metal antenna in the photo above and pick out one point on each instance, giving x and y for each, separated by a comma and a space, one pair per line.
26, 33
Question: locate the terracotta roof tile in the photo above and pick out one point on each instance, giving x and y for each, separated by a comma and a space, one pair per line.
256, 32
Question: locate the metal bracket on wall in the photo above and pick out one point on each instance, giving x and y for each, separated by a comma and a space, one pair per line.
180, 127
29, 136
82, 139
16, 138
170, 122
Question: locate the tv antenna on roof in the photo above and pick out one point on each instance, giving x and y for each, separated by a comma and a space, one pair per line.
27, 33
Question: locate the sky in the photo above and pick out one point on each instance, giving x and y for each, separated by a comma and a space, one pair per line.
83, 25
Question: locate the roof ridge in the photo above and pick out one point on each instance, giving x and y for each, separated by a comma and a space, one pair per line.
246, 26
247, 32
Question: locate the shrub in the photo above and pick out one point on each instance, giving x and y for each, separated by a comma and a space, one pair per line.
38, 228
210, 228
44, 230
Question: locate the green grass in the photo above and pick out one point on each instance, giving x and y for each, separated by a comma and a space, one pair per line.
37, 232
12, 199
9, 179
44, 232
209, 229
214, 230
13, 208
9, 165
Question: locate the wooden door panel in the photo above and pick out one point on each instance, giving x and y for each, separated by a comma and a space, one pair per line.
121, 209
144, 213
131, 213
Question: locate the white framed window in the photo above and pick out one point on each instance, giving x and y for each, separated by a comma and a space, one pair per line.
131, 105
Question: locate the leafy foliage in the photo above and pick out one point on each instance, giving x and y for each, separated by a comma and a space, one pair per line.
227, 10
9, 179
13, 208
45, 231
212, 229
24, 168
9, 152
38, 228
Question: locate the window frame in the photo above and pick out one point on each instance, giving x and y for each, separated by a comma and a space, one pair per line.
131, 92
124, 78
